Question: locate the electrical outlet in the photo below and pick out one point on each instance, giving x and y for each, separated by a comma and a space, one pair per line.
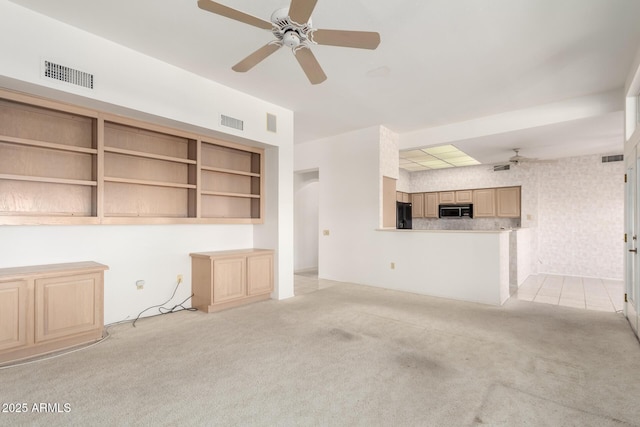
393, 265
325, 232
140, 284
179, 278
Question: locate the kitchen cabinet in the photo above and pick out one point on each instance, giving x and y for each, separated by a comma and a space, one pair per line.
431, 205
508, 202
226, 279
484, 203
417, 205
464, 196
403, 197
47, 308
447, 197
453, 197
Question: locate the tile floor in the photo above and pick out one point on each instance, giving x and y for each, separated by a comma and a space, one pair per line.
568, 291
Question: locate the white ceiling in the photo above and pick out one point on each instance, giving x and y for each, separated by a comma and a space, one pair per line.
439, 62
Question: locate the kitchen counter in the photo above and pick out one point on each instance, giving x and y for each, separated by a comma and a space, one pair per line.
445, 231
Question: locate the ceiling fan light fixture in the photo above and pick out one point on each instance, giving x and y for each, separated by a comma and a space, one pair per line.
291, 39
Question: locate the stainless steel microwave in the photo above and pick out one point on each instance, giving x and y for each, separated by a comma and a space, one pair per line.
456, 211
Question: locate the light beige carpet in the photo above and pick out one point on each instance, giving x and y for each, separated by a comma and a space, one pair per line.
345, 355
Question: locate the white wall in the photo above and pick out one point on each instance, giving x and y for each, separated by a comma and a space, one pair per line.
581, 218
127, 82
350, 168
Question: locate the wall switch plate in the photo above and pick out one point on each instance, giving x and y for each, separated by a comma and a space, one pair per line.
140, 284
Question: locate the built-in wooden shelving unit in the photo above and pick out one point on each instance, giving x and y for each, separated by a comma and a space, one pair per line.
62, 164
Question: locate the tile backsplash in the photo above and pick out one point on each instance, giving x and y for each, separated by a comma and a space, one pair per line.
465, 223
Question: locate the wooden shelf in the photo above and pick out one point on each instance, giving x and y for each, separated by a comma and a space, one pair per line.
144, 182
230, 171
45, 179
49, 145
148, 155
69, 165
217, 193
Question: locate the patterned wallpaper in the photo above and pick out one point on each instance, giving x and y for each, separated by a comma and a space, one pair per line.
574, 206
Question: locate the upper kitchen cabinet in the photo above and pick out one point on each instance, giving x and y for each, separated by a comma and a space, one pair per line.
403, 197
484, 203
460, 196
417, 205
508, 202
431, 205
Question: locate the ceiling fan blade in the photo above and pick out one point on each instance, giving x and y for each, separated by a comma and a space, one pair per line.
228, 12
357, 39
310, 66
252, 60
300, 10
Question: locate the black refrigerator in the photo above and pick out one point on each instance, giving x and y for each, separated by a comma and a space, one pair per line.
403, 215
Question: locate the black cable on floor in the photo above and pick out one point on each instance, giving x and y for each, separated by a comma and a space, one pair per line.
161, 307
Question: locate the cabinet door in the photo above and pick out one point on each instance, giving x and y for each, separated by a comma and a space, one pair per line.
259, 274
447, 197
508, 201
431, 205
13, 314
417, 205
229, 279
484, 203
401, 196
68, 305
464, 196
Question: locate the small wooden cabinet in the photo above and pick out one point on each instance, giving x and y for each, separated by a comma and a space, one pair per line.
46, 308
417, 205
508, 202
484, 203
226, 279
431, 205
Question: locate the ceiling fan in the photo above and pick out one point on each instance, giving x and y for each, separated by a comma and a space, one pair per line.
292, 28
517, 158
514, 160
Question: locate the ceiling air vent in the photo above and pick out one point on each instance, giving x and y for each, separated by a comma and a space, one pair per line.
67, 75
616, 158
272, 125
498, 168
231, 122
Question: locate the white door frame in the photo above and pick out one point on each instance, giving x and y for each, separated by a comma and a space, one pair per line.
632, 259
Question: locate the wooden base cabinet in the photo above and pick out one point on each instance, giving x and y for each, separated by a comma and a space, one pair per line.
226, 279
47, 308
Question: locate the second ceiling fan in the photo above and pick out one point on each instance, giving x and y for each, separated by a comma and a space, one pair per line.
292, 28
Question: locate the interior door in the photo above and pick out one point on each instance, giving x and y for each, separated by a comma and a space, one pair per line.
632, 225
